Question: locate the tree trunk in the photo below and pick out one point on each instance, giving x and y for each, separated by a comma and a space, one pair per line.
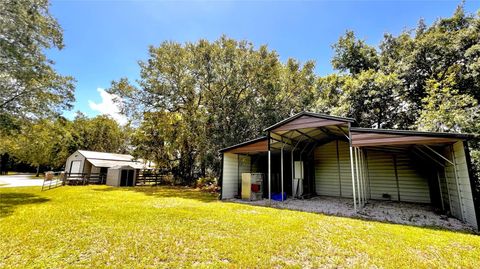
4, 160
38, 171
1, 164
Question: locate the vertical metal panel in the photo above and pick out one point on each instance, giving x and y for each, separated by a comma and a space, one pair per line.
396, 176
457, 182
474, 180
338, 169
382, 175
441, 190
463, 183
411, 187
444, 189
345, 169
449, 175
364, 178
333, 174
413, 182
326, 170
230, 176
368, 175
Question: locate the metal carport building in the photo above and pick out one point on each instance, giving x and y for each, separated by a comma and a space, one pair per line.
339, 160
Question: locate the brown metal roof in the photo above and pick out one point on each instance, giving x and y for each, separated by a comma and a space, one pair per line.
377, 137
251, 146
308, 119
307, 125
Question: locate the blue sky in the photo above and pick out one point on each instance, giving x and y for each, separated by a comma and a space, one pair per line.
105, 39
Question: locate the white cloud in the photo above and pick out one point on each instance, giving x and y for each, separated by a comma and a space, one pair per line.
107, 106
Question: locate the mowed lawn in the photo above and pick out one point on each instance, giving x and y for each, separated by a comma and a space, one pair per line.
152, 227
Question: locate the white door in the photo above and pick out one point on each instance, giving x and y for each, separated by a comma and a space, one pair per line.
75, 167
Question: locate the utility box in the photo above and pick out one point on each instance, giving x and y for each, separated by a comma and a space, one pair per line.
252, 186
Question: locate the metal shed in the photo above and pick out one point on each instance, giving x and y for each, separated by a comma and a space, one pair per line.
122, 176
363, 164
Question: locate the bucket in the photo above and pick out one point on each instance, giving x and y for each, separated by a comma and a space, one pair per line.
278, 196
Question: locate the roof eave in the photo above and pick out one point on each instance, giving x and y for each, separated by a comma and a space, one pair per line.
258, 139
412, 132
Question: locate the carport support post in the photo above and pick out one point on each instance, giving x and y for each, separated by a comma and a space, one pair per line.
293, 173
293, 170
353, 178
269, 171
281, 168
358, 177
362, 176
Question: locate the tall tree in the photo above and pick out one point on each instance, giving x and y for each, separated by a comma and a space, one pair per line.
426, 78
100, 133
29, 85
354, 55
35, 144
445, 109
215, 91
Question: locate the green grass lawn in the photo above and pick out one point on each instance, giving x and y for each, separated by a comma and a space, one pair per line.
150, 227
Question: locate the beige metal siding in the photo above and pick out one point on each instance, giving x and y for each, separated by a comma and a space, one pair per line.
452, 185
411, 186
382, 175
229, 176
113, 177
466, 197
328, 163
326, 170
345, 168
444, 188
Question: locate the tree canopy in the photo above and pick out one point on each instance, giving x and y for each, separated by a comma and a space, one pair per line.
195, 98
198, 97
29, 85
49, 143
424, 78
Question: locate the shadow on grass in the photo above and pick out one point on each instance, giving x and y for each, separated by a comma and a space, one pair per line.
167, 192
9, 201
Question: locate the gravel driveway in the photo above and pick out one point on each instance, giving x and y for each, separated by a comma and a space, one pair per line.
19, 180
